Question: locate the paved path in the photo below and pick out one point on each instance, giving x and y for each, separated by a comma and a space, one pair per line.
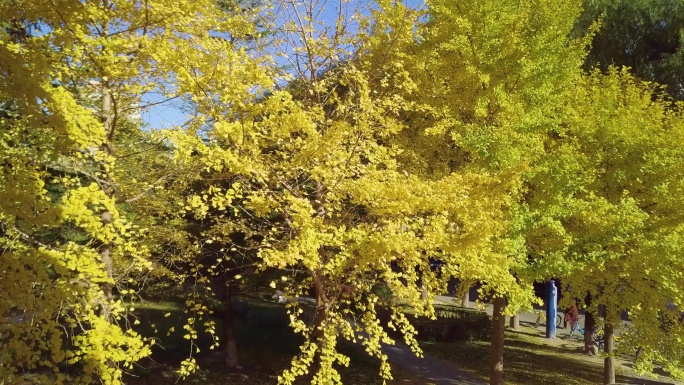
438, 371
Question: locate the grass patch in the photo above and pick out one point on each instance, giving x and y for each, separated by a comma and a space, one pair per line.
147, 305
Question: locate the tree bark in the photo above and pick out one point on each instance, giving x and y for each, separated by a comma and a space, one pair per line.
229, 339
589, 344
515, 322
609, 361
107, 117
465, 301
321, 306
106, 255
321, 295
497, 346
423, 291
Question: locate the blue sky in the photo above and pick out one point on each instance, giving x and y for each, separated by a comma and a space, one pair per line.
163, 115
168, 114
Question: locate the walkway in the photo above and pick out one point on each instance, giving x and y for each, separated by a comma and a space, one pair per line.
433, 369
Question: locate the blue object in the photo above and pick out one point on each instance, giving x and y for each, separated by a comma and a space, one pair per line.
576, 326
551, 310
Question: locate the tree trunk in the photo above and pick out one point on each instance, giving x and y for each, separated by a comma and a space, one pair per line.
229, 340
465, 301
609, 361
321, 307
589, 343
107, 118
322, 304
423, 292
515, 322
497, 346
108, 115
106, 255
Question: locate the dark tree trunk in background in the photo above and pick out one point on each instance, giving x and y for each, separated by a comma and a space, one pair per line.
589, 344
497, 347
229, 340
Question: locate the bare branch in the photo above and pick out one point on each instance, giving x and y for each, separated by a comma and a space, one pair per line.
148, 189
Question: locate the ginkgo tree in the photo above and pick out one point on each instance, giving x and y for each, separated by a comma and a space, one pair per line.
314, 166
624, 216
390, 141
486, 76
73, 74
601, 215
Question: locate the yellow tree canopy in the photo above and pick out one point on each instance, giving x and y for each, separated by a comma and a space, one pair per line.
624, 217
73, 74
365, 171
481, 81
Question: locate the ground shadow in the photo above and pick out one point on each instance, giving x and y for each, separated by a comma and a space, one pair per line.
620, 379
525, 367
